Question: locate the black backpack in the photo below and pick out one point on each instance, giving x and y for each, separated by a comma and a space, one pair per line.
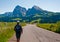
17, 28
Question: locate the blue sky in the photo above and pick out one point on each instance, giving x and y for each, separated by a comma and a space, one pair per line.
9, 5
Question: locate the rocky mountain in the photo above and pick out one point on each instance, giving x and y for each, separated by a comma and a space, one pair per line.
19, 11
35, 14
34, 10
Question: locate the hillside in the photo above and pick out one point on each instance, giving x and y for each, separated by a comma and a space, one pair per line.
34, 14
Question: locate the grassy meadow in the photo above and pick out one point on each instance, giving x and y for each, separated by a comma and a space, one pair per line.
55, 27
7, 30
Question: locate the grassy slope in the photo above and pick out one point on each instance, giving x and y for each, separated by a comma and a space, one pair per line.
50, 26
7, 30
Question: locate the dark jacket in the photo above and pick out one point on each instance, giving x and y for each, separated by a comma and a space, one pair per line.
18, 28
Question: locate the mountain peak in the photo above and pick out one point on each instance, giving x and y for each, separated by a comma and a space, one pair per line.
20, 11
36, 7
18, 6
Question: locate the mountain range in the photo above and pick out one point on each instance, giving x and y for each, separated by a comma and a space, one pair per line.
34, 14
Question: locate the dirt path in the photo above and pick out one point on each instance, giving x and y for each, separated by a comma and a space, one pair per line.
31, 33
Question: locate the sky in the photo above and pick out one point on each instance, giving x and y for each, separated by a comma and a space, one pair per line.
49, 5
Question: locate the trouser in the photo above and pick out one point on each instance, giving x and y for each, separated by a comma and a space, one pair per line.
18, 35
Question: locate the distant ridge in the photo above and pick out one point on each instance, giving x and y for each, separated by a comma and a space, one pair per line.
32, 14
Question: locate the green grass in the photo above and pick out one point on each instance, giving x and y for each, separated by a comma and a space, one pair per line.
7, 30
17, 19
6, 34
55, 27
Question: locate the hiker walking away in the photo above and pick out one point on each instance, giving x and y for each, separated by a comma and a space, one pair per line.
18, 30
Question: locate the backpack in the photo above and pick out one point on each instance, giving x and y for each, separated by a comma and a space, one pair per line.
17, 28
